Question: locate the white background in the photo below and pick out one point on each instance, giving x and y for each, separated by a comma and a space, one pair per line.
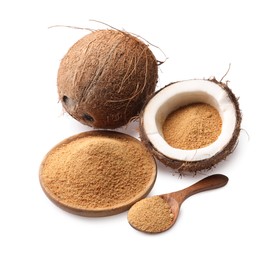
200, 39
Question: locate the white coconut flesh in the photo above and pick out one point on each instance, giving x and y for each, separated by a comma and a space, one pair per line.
180, 94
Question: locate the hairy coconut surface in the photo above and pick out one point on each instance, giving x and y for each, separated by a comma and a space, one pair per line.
200, 159
105, 78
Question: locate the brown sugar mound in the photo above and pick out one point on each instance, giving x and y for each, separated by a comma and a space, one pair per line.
151, 215
192, 127
98, 171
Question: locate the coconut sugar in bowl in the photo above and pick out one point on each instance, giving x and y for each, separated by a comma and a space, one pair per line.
191, 125
97, 173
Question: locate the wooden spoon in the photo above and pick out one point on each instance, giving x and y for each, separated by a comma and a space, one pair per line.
174, 200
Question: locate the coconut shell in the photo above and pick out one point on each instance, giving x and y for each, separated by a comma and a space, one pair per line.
184, 167
105, 78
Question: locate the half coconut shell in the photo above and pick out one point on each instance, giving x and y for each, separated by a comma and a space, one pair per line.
182, 93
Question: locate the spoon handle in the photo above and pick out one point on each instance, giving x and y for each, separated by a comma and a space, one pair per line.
208, 183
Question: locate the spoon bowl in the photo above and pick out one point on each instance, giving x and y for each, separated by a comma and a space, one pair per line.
148, 213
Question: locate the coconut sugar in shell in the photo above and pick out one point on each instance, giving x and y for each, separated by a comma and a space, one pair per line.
191, 125
105, 78
97, 173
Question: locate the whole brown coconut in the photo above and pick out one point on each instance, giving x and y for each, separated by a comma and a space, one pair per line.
105, 78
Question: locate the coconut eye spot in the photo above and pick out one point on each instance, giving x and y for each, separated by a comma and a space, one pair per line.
87, 117
65, 99
68, 103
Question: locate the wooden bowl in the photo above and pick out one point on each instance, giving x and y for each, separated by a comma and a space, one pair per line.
97, 173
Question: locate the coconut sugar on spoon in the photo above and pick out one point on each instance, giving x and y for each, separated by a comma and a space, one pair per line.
152, 215
159, 213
